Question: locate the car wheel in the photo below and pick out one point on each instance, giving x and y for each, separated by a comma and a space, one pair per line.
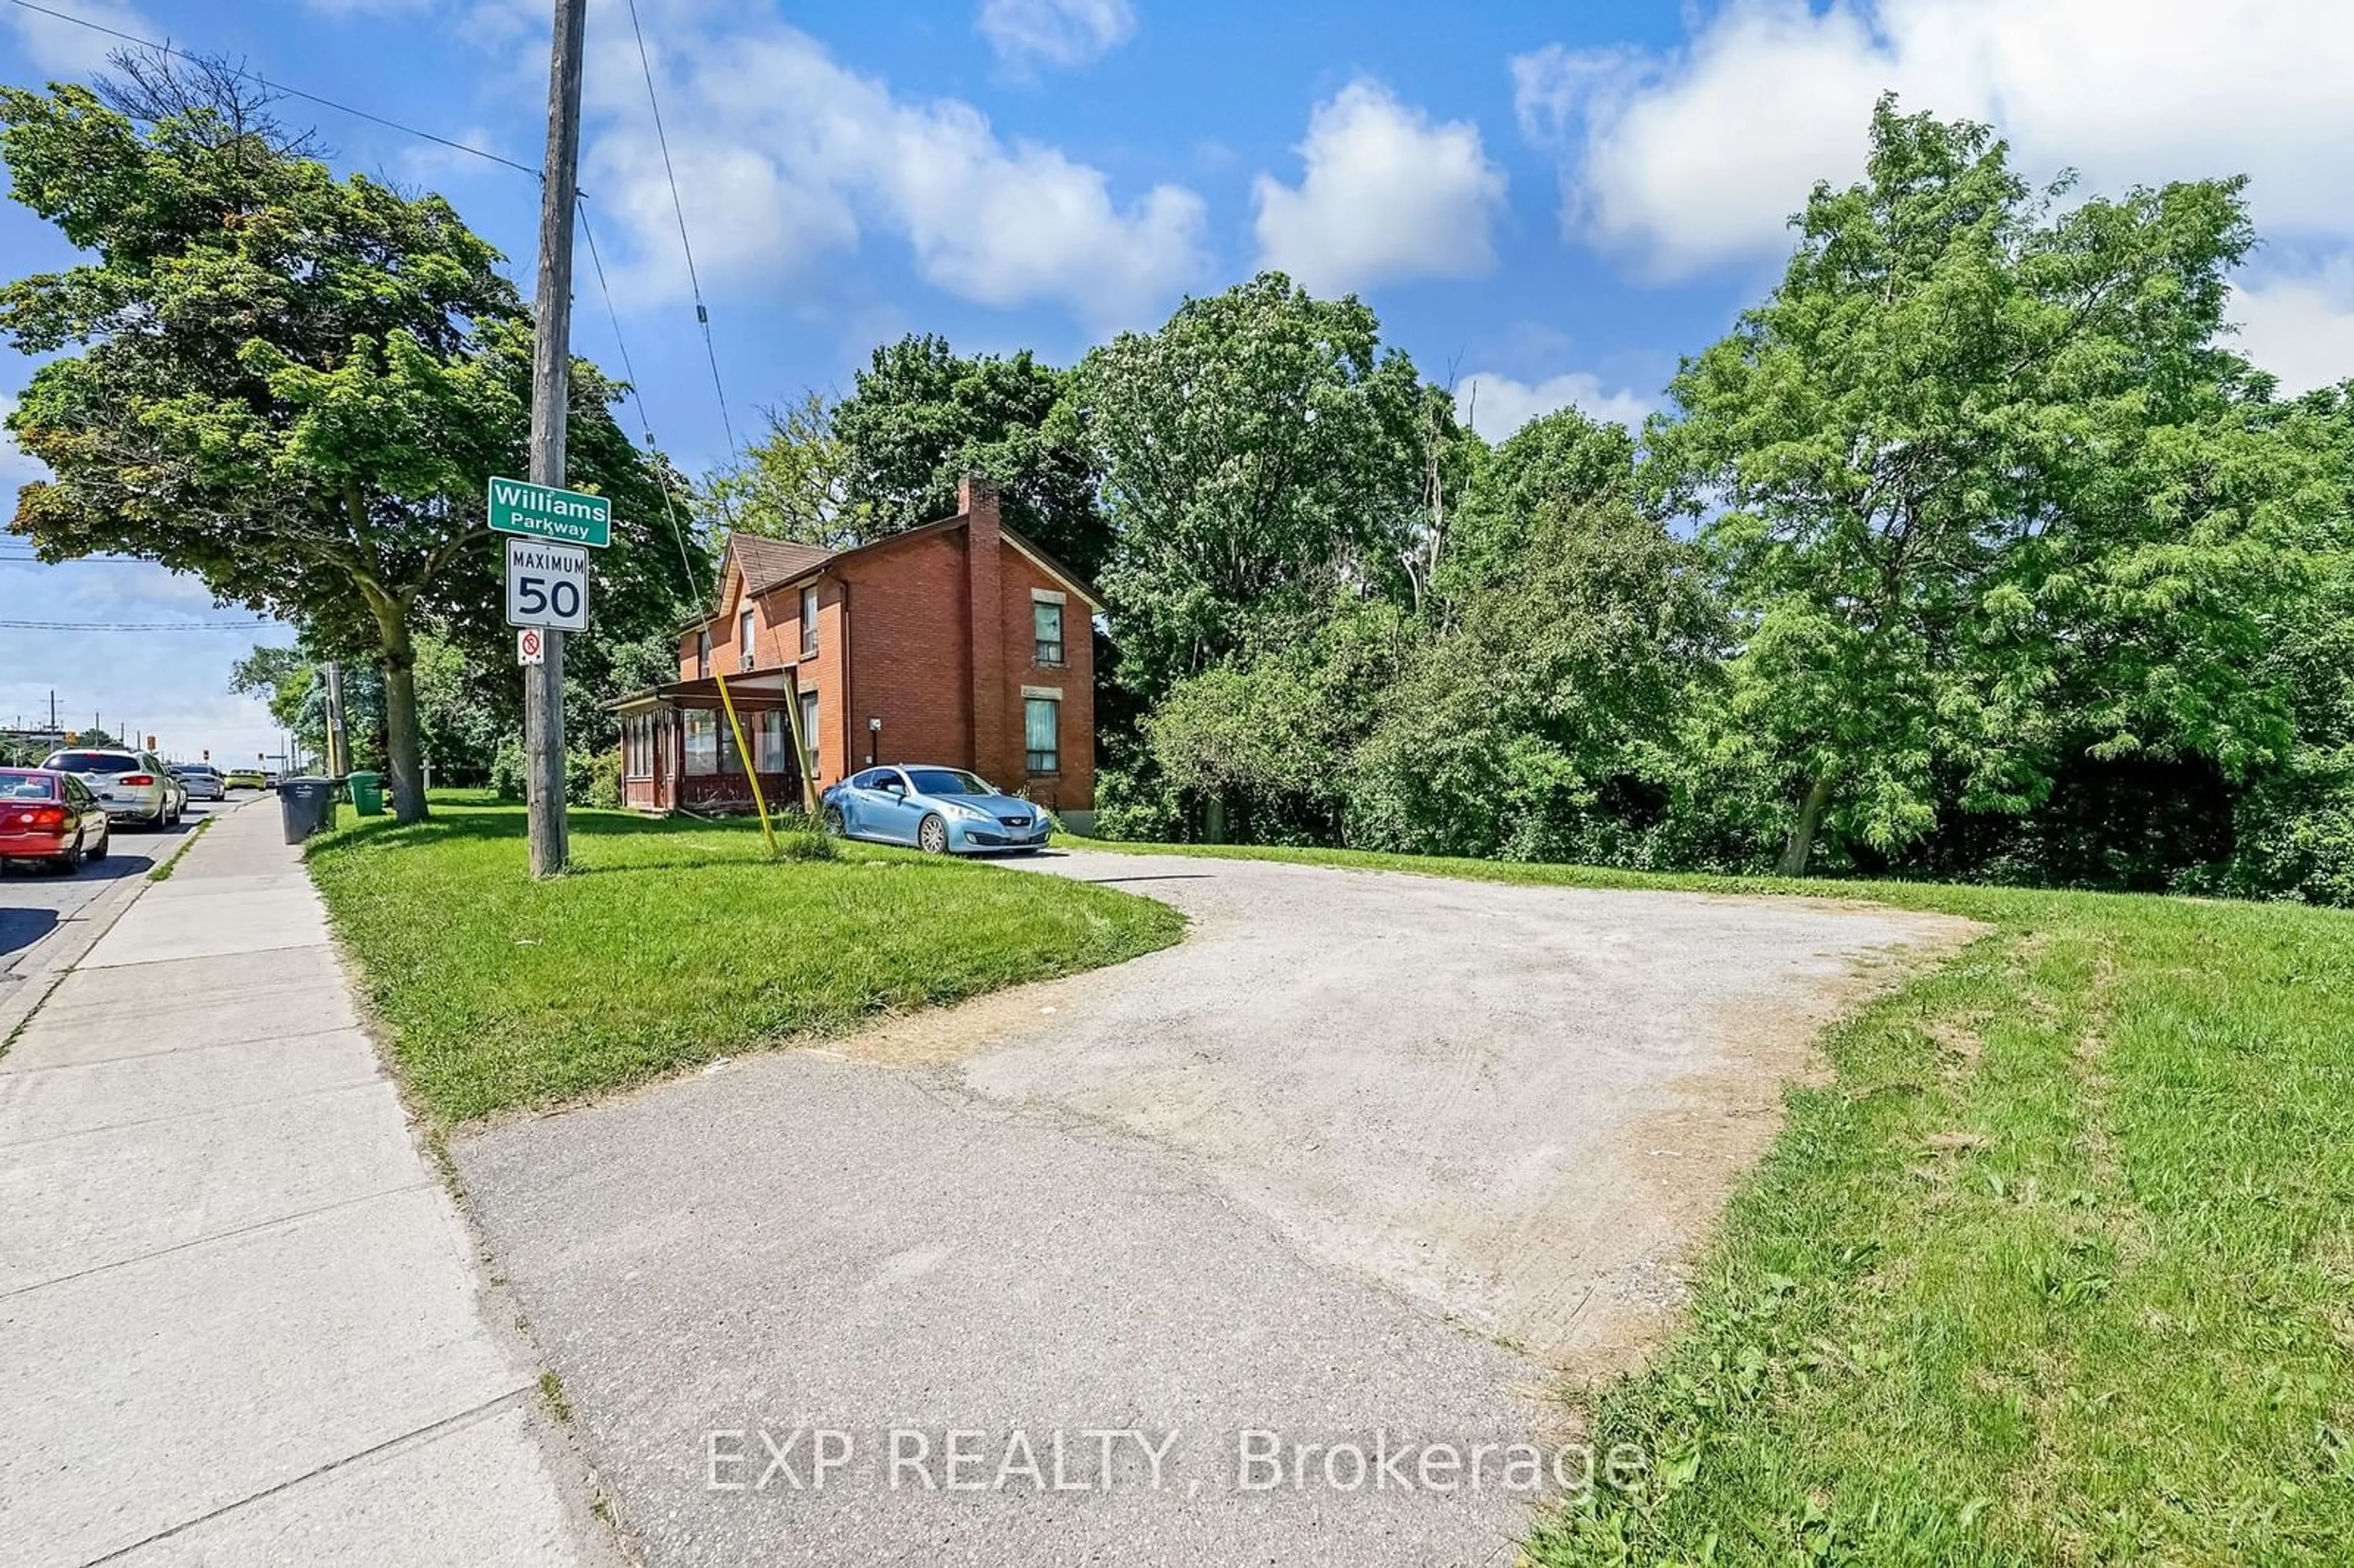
105, 843
70, 861
832, 818
932, 836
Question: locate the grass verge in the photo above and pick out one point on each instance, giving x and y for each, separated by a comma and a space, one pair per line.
2059, 1268
671, 943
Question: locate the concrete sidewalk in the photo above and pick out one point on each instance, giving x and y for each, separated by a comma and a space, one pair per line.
240, 1320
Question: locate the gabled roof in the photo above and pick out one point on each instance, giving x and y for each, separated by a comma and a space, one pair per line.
766, 562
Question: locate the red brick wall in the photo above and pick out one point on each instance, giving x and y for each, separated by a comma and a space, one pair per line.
1073, 788
908, 664
899, 640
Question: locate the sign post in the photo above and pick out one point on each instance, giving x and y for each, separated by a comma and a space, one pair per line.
551, 391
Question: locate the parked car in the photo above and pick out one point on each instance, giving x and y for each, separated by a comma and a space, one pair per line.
202, 781
942, 810
133, 786
245, 778
52, 817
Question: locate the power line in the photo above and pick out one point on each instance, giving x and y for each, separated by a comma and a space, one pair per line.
661, 139
134, 625
279, 86
645, 420
31, 557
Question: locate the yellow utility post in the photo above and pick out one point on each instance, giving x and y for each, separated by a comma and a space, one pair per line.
751, 768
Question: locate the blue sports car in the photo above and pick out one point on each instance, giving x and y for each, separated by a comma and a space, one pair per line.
941, 811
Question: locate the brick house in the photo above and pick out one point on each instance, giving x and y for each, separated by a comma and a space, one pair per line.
957, 642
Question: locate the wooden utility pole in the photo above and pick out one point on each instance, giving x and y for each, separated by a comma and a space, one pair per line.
551, 388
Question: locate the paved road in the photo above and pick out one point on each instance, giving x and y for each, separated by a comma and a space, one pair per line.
35, 901
1366, 1163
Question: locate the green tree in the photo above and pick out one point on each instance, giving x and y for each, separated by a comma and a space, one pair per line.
1262, 454
1544, 724
1562, 460
293, 387
1980, 486
921, 416
1262, 741
794, 483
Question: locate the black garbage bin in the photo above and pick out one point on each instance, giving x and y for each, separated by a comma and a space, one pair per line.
306, 806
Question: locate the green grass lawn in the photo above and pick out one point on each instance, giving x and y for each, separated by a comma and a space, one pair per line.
2058, 1268
673, 943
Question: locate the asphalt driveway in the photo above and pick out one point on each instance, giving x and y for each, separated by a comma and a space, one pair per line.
1358, 1170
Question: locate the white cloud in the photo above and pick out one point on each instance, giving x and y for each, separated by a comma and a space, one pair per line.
1388, 195
64, 49
1689, 158
784, 155
1496, 406
2299, 325
1054, 32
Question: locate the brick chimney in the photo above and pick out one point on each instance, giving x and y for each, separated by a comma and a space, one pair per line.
996, 749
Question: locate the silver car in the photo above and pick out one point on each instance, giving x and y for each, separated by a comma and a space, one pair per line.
133, 786
201, 780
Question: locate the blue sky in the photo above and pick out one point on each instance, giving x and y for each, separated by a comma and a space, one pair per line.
1547, 202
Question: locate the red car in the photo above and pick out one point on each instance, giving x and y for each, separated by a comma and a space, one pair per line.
49, 816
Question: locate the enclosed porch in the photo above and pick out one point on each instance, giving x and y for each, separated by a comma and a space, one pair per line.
679, 754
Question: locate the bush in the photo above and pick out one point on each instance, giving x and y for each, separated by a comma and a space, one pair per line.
508, 768
604, 789
590, 779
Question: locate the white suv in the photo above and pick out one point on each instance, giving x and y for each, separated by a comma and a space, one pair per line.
133, 786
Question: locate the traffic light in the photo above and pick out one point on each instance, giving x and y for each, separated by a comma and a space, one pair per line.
208, 754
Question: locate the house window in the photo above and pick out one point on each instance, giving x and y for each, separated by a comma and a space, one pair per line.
703, 655
745, 624
809, 729
634, 751
1041, 724
773, 749
809, 621
1047, 620
702, 742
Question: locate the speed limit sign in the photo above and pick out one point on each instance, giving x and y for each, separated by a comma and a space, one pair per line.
547, 584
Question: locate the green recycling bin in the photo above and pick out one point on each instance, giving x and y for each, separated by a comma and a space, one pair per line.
367, 794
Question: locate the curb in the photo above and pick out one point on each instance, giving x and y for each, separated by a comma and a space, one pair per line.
51, 959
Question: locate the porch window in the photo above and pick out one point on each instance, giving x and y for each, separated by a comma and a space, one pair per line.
636, 754
809, 621
702, 741
773, 748
1047, 619
1041, 724
746, 625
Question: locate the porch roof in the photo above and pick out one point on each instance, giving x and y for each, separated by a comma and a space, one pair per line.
755, 689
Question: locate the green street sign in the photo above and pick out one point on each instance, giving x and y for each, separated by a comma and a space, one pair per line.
544, 511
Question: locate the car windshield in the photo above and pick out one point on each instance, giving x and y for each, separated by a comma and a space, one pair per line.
15, 786
93, 762
947, 781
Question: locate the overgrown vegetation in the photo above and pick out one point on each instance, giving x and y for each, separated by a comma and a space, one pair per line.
1973, 551
673, 943
2056, 1269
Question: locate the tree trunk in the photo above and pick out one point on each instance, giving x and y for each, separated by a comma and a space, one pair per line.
401, 747
1801, 842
